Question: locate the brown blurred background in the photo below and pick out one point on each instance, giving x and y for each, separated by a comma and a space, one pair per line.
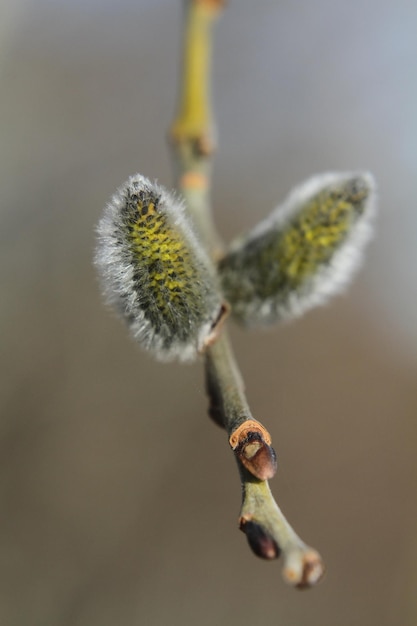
112, 510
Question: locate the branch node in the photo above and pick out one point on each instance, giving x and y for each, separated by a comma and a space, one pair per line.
217, 326
198, 141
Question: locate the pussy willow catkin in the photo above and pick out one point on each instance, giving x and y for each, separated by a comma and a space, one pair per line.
304, 252
155, 272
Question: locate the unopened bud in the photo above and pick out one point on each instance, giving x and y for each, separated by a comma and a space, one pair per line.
261, 542
156, 273
251, 443
303, 568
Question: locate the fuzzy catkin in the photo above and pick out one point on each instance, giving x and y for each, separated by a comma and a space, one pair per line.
303, 253
154, 271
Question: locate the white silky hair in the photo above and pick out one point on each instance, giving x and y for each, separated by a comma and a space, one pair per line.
119, 270
331, 277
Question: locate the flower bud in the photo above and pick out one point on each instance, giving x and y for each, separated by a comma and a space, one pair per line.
156, 273
303, 253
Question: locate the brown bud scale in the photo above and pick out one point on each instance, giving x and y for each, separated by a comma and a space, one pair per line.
251, 443
261, 542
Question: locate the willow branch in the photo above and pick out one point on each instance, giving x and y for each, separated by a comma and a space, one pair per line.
267, 530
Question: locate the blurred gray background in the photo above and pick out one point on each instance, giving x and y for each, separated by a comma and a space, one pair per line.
112, 510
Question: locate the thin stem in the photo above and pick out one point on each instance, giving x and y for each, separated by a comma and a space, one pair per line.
266, 528
222, 369
191, 133
194, 116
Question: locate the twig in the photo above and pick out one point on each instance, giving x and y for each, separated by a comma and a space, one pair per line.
266, 528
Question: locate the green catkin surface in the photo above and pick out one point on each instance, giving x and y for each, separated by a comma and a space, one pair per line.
167, 277
284, 258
